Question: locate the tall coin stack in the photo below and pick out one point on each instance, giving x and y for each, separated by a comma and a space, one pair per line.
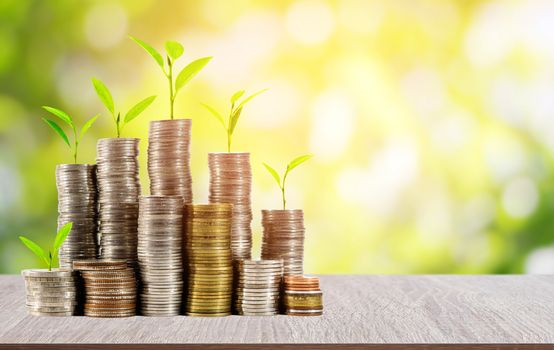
210, 271
258, 287
160, 233
110, 287
231, 182
76, 184
118, 192
169, 158
283, 238
302, 296
50, 293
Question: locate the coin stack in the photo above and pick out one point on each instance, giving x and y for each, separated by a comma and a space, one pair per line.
160, 233
169, 158
283, 238
50, 293
303, 296
76, 184
110, 287
118, 192
258, 287
231, 182
209, 264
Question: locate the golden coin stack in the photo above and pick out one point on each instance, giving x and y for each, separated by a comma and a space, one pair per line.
208, 256
302, 296
110, 287
50, 293
169, 158
231, 182
258, 287
283, 238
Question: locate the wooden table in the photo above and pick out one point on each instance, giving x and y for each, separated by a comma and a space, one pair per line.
381, 310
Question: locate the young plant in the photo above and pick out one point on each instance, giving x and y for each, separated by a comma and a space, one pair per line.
293, 164
58, 241
66, 118
234, 113
174, 50
107, 99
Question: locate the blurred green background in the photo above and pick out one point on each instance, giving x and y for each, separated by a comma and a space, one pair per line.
431, 122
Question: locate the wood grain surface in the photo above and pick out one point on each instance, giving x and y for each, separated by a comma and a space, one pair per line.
426, 309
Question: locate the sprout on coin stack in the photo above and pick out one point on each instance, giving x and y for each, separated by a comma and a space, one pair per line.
169, 140
76, 184
302, 296
118, 183
231, 178
50, 292
258, 287
283, 236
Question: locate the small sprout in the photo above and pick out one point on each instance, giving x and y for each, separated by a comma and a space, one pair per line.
107, 99
293, 164
174, 50
58, 241
234, 113
69, 121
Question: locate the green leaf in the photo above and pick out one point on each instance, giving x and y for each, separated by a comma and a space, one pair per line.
236, 96
62, 235
57, 129
246, 100
297, 161
174, 49
234, 120
138, 108
34, 248
87, 126
60, 114
215, 114
273, 173
104, 94
190, 72
152, 51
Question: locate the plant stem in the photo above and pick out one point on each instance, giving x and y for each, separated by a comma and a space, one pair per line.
283, 190
76, 144
228, 142
170, 78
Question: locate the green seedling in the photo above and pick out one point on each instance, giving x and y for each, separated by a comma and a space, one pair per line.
58, 241
107, 99
66, 118
234, 113
293, 164
174, 50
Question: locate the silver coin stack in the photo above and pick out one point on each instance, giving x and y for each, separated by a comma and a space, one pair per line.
160, 233
283, 238
76, 184
50, 293
118, 192
231, 182
169, 158
258, 287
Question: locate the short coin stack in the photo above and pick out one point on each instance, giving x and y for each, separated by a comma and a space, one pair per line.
160, 233
76, 184
118, 192
302, 296
283, 238
169, 158
110, 288
231, 182
258, 287
50, 293
209, 264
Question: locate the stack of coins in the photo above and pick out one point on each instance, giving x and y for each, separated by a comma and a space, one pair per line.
118, 192
258, 287
283, 238
169, 158
50, 293
209, 264
76, 184
110, 287
160, 233
303, 296
231, 182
